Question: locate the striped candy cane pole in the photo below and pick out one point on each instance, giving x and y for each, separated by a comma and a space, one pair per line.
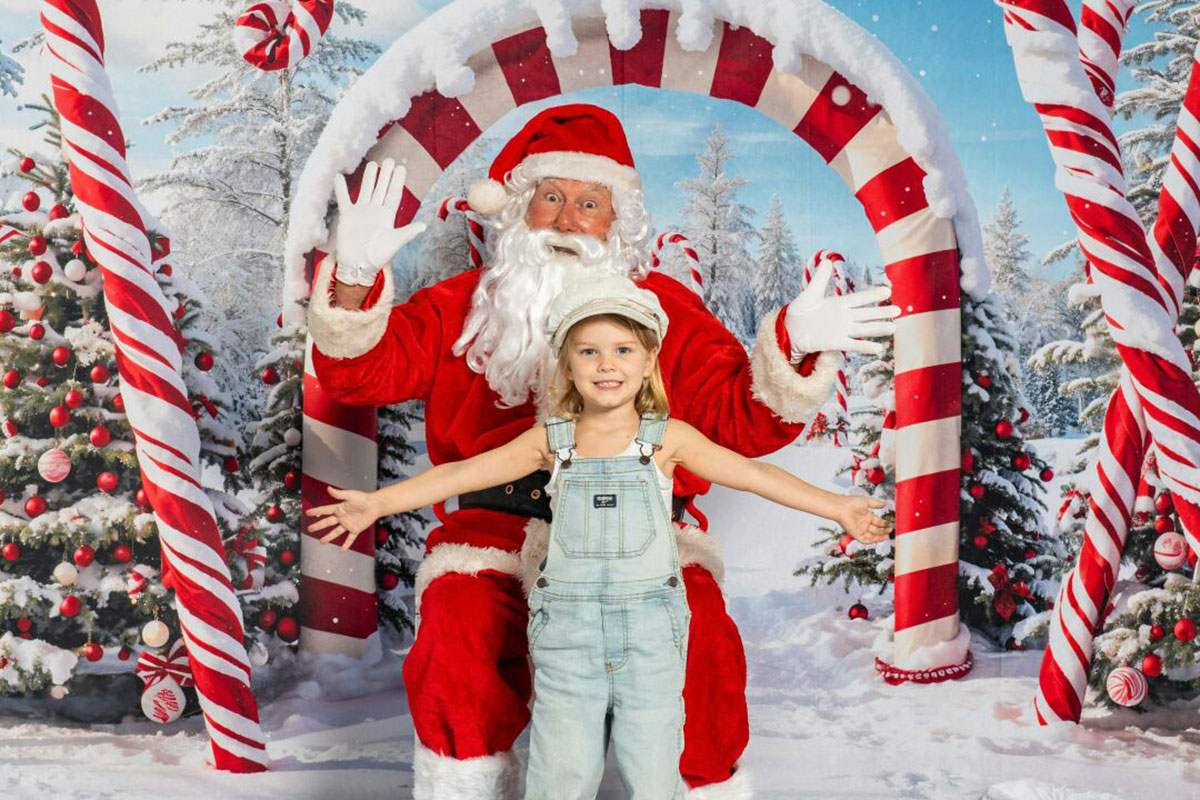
274, 35
1102, 25
8, 232
475, 236
1140, 293
148, 363
665, 239
840, 286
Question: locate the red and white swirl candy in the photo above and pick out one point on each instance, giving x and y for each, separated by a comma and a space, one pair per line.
1127, 686
1170, 550
275, 35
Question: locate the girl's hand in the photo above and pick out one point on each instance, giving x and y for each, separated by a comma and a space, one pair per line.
858, 521
354, 514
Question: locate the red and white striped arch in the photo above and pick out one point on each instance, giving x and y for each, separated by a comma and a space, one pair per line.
822, 106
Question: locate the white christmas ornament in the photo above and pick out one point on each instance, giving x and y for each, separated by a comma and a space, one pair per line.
1127, 686
163, 701
292, 437
1170, 550
54, 465
155, 633
58, 692
65, 573
75, 269
258, 654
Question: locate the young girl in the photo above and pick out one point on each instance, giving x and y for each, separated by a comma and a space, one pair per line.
608, 621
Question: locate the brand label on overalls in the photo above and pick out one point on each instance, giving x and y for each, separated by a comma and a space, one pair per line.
604, 501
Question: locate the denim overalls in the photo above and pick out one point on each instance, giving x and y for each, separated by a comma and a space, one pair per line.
608, 627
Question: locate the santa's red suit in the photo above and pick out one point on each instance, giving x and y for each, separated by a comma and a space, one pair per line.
467, 675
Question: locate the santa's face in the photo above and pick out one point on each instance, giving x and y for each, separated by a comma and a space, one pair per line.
569, 206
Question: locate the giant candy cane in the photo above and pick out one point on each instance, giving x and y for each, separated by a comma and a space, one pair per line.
275, 35
1141, 283
149, 363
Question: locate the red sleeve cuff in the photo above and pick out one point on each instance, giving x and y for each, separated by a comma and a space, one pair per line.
809, 362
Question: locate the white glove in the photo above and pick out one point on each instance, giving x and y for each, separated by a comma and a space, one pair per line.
366, 238
816, 322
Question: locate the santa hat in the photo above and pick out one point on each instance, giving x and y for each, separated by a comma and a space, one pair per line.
578, 142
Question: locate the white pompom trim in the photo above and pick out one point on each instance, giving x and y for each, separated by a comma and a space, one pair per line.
487, 196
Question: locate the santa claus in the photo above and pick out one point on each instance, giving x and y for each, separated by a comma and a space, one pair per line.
566, 200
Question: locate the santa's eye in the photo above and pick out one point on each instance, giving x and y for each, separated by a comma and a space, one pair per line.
550, 197
590, 205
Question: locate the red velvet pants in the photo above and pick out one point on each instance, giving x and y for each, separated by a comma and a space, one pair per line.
468, 680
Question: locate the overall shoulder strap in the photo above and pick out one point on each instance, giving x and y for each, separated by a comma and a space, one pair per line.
650, 433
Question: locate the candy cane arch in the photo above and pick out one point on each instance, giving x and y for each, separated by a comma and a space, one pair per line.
440, 86
1141, 282
148, 364
475, 234
274, 35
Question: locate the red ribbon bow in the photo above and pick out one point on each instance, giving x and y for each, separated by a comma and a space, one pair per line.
152, 668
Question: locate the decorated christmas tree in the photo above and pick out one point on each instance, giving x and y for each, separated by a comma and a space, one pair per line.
80, 594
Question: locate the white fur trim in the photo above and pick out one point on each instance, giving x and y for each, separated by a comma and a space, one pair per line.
702, 549
582, 167
463, 559
738, 787
777, 385
347, 333
436, 777
487, 196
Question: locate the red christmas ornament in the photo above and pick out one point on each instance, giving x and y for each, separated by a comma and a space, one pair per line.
99, 436
107, 481
1157, 632
1022, 462
141, 497
165, 270
58, 211
34, 506
381, 536
42, 381
1152, 666
73, 398
1163, 504
985, 381
70, 606
267, 619
16, 272
27, 164
12, 379
977, 491
84, 555
274, 513
99, 373
1030, 555
844, 542
10, 428
1185, 630
231, 464
876, 475
37, 245
968, 461
124, 653
1004, 429
37, 330
858, 611
30, 201
61, 356
288, 630
1047, 475
7, 321
41, 272
980, 541
59, 416
1163, 524
24, 624
119, 402
287, 558
204, 361
292, 479
123, 553
269, 376
93, 651
389, 580
11, 551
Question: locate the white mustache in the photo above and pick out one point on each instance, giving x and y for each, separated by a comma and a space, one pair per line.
589, 249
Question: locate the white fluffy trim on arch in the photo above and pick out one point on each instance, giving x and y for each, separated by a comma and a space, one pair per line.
346, 333
463, 559
694, 546
437, 777
777, 385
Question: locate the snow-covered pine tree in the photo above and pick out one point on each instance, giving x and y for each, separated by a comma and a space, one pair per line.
79, 537
1006, 249
720, 231
399, 538
12, 74
778, 271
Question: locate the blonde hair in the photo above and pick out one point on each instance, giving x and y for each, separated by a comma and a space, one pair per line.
566, 401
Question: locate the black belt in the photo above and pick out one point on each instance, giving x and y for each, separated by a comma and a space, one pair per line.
526, 497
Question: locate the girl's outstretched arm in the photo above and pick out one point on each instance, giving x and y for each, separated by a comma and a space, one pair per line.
695, 452
357, 510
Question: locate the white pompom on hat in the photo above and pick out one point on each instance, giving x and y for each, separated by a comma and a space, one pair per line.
579, 142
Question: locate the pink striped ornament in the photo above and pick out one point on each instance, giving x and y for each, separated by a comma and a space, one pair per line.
274, 35
149, 368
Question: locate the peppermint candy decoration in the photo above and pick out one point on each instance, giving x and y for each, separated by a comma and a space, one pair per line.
164, 701
173, 666
1170, 550
54, 465
1126, 686
137, 580
275, 35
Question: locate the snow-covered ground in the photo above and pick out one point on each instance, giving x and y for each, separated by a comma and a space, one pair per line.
822, 723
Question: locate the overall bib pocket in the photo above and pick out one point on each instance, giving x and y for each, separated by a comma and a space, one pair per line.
538, 619
609, 518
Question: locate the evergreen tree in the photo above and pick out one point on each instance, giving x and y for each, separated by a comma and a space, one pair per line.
400, 541
720, 231
12, 75
777, 273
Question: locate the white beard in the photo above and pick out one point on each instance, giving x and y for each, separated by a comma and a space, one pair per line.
503, 336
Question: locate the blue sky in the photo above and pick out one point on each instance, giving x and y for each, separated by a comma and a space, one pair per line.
955, 49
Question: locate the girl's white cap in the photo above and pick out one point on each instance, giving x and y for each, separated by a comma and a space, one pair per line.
608, 295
